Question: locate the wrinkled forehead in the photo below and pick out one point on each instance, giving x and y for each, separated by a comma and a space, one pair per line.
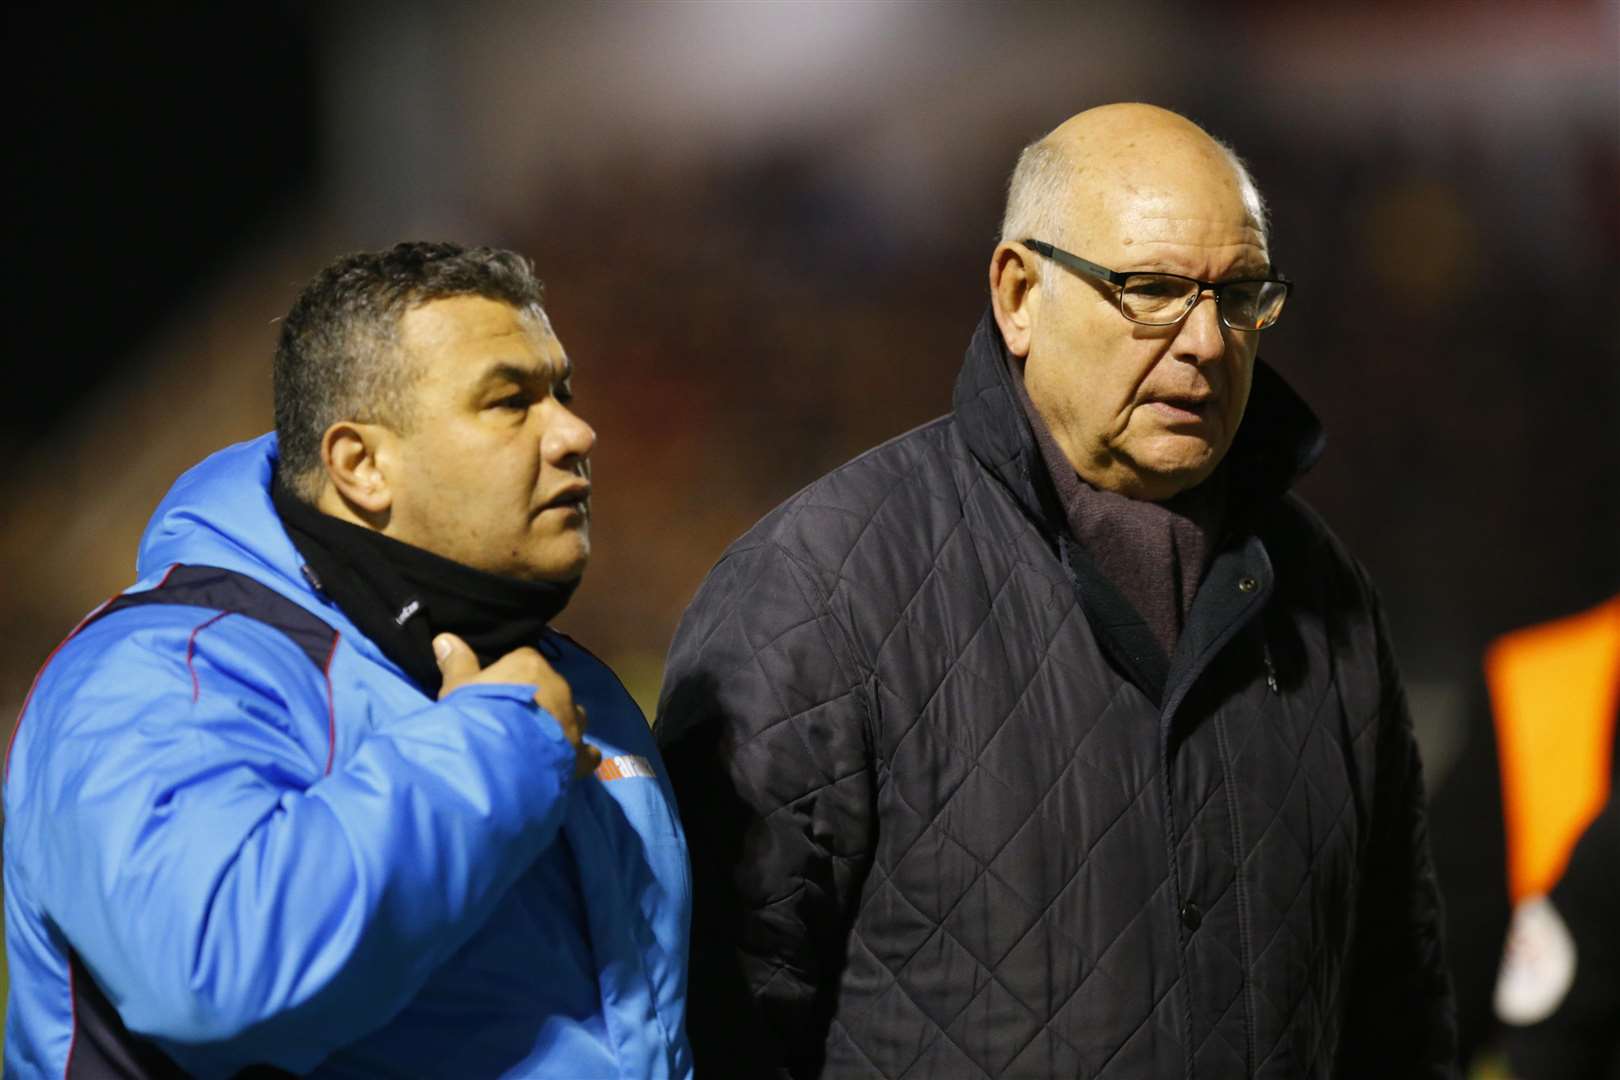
533, 318
1131, 209
456, 338
1175, 176
532, 334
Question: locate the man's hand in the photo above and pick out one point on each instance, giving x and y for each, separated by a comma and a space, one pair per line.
459, 665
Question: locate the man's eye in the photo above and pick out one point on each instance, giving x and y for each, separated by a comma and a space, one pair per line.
515, 401
563, 392
1157, 288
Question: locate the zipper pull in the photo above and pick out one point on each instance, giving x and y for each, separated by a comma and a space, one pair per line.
1271, 669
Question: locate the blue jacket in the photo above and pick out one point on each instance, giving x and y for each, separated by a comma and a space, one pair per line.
262, 862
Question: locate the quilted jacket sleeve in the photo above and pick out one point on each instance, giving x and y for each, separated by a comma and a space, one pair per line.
224, 888
763, 724
1401, 1017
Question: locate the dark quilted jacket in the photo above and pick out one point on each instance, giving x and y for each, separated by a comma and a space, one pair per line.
949, 816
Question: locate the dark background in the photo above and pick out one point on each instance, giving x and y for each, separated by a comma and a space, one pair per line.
764, 230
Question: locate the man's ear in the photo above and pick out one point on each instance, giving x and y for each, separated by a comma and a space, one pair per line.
1013, 277
356, 457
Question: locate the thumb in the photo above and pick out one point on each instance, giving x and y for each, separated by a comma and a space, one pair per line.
457, 661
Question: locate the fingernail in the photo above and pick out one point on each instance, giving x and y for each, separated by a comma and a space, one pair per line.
441, 646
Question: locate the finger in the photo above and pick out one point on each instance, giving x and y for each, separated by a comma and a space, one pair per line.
549, 683
562, 711
574, 726
457, 662
536, 665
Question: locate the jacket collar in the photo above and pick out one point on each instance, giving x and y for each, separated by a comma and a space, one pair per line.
1278, 442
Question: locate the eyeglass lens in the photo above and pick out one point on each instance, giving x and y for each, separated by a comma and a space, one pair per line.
1160, 299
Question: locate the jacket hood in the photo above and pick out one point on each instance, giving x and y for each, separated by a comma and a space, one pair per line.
219, 513
1279, 441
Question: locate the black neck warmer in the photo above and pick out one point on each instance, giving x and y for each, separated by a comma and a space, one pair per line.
401, 596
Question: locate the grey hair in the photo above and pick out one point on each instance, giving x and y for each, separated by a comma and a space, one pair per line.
1252, 198
339, 358
1035, 193
1038, 187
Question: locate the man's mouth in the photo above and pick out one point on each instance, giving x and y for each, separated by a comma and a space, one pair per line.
1183, 408
577, 498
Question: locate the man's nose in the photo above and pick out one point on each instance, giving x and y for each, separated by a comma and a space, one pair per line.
1202, 338
568, 438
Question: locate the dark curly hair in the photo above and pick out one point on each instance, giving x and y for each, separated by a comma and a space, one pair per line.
338, 357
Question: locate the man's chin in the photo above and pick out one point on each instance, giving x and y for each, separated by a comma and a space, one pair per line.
1182, 452
560, 563
1178, 467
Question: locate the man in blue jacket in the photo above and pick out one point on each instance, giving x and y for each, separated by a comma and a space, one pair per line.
316, 794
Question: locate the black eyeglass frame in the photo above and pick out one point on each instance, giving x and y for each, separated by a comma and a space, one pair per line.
1117, 279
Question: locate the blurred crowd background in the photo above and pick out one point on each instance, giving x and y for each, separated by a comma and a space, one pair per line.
764, 229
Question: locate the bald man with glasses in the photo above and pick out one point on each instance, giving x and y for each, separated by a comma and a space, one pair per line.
1057, 737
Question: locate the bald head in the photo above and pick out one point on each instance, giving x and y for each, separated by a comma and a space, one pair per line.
1081, 172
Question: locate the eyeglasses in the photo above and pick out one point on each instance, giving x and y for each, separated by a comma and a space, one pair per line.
1166, 299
